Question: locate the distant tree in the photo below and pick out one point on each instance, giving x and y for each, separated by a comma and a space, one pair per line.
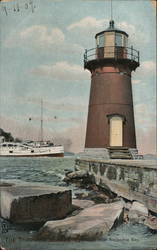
7, 136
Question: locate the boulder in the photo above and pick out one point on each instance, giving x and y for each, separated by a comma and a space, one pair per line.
137, 212
28, 204
151, 222
98, 197
90, 224
77, 175
81, 204
3, 248
139, 208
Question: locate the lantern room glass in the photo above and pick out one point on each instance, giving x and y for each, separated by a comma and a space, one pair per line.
119, 40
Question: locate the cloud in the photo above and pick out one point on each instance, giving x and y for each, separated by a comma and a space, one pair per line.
91, 24
76, 135
136, 81
62, 71
127, 27
66, 107
62, 104
87, 23
37, 36
145, 120
146, 68
71, 48
145, 111
134, 36
146, 140
141, 108
145, 117
41, 37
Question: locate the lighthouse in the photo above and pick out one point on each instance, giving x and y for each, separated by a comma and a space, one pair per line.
110, 123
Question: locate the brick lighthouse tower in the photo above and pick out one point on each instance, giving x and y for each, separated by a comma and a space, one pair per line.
110, 122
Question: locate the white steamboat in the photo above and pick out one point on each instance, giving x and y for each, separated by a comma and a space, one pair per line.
33, 149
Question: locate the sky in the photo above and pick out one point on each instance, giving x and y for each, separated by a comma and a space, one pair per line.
41, 57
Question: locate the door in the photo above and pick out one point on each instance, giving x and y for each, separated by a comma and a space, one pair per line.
116, 131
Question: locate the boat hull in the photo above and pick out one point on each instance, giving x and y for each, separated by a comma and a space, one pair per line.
33, 155
18, 150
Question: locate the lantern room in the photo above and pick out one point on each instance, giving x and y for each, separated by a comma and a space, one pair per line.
111, 43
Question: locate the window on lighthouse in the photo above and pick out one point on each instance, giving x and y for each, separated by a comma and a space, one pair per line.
119, 40
125, 41
101, 40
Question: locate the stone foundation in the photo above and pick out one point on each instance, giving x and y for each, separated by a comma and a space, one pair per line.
131, 179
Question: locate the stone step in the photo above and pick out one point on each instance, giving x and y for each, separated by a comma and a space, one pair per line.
118, 147
121, 157
119, 151
119, 154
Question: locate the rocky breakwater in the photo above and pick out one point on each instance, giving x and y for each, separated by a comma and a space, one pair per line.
90, 224
130, 179
88, 221
28, 203
134, 211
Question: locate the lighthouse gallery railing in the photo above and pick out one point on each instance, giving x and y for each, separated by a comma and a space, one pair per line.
114, 52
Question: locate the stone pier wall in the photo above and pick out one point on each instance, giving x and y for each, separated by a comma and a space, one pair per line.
133, 180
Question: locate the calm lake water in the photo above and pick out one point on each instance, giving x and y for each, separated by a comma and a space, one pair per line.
51, 171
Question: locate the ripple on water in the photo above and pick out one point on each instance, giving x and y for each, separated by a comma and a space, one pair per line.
132, 236
125, 237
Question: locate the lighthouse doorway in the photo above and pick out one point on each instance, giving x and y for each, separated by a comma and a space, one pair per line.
116, 131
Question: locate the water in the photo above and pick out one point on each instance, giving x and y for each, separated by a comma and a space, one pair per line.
51, 171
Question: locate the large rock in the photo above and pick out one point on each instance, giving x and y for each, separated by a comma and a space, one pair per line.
139, 208
3, 248
24, 204
76, 175
81, 204
136, 211
151, 222
91, 224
